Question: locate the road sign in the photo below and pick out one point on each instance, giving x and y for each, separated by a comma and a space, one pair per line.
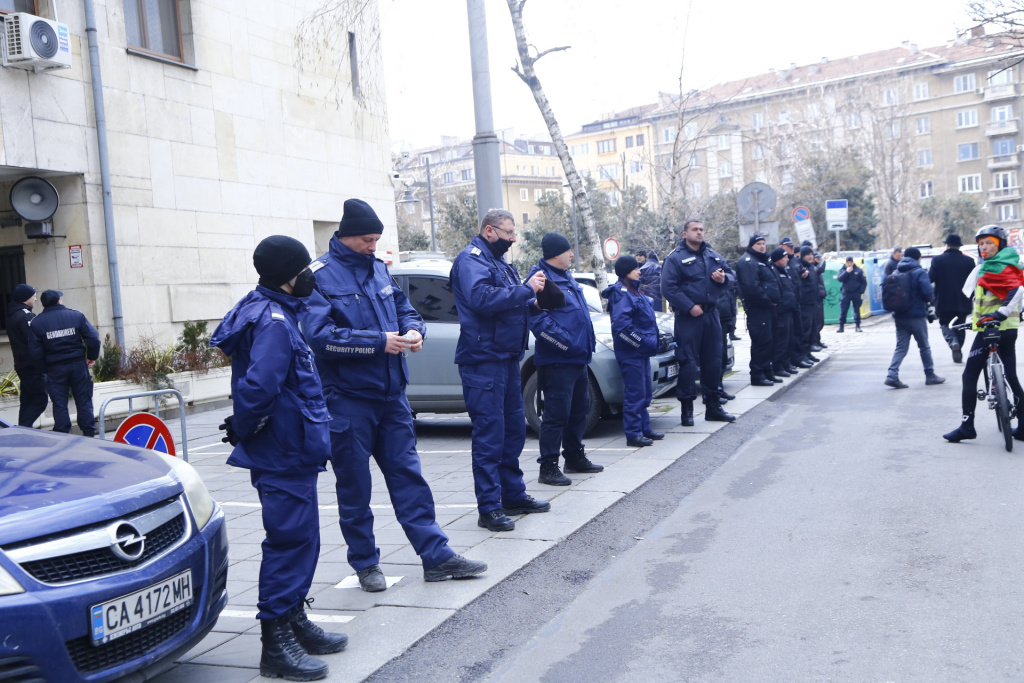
801, 213
756, 201
146, 431
611, 249
770, 230
805, 231
836, 214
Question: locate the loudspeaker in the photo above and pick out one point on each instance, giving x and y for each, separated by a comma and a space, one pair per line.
34, 199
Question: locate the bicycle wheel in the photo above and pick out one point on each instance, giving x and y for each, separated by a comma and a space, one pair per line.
1002, 405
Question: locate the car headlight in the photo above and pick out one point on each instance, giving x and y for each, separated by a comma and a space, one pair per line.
8, 584
195, 490
606, 340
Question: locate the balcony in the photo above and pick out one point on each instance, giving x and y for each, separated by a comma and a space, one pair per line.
1003, 91
1002, 161
1004, 194
1008, 127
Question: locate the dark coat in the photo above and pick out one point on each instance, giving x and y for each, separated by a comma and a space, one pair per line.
759, 288
686, 278
19, 318
854, 284
921, 292
634, 326
811, 287
789, 302
949, 271
58, 336
566, 334
650, 279
890, 267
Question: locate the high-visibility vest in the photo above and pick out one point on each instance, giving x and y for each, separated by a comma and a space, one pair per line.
986, 303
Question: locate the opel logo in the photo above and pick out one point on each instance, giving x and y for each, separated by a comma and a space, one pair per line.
127, 542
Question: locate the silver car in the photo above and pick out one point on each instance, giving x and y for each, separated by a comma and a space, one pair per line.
434, 383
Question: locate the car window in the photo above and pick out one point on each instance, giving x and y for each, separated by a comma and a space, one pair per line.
432, 298
593, 297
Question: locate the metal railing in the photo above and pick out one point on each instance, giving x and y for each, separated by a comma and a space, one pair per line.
156, 411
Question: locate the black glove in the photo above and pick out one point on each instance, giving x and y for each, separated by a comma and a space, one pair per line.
551, 297
229, 431
997, 316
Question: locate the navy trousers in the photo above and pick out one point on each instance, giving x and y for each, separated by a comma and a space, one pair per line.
780, 338
74, 376
760, 323
383, 429
494, 399
798, 348
292, 544
33, 396
566, 404
844, 307
637, 392
699, 350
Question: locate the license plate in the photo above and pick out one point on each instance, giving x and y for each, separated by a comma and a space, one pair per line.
129, 613
673, 370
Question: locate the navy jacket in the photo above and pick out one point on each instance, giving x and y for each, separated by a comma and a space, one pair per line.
921, 292
492, 303
650, 278
686, 278
790, 301
948, 273
280, 414
854, 284
759, 289
63, 335
566, 334
19, 320
345, 325
634, 325
811, 287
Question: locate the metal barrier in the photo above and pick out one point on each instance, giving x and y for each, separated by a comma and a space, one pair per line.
156, 411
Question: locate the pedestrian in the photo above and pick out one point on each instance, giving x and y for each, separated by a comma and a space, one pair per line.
67, 345
996, 285
565, 343
819, 311
913, 322
493, 303
761, 294
31, 373
785, 311
360, 326
635, 340
810, 299
692, 281
948, 273
650, 278
894, 261
280, 433
853, 284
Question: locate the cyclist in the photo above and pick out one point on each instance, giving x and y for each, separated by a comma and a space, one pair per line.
996, 285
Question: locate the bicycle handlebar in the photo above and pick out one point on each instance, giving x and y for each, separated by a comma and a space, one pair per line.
967, 326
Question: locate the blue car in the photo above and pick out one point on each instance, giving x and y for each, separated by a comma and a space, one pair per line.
113, 559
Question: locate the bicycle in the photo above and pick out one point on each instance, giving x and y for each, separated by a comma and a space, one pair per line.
997, 390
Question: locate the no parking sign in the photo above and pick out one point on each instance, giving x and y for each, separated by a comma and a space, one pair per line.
146, 431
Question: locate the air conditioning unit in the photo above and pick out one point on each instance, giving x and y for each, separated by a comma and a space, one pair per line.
35, 44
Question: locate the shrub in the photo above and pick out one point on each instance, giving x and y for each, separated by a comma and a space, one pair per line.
149, 364
108, 367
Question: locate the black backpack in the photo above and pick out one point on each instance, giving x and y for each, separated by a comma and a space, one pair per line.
896, 292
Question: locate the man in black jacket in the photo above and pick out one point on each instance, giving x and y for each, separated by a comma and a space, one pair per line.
948, 273
810, 298
783, 360
692, 280
68, 345
760, 292
30, 371
854, 284
893, 262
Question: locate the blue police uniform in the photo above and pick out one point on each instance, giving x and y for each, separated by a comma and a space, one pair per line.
31, 372
365, 391
565, 344
281, 421
635, 340
492, 304
686, 282
57, 338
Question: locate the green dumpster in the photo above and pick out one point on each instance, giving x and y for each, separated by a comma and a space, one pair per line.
834, 293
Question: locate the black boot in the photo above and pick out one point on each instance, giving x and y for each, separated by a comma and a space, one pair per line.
581, 464
965, 430
840, 330
552, 476
687, 409
283, 657
1018, 433
312, 638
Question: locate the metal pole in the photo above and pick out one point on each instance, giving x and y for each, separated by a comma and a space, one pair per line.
104, 158
430, 198
837, 242
486, 153
757, 212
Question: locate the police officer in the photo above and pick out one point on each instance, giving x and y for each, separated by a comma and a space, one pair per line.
785, 312
359, 336
799, 351
30, 371
565, 344
760, 292
810, 301
279, 431
493, 305
692, 280
635, 340
650, 277
854, 284
57, 340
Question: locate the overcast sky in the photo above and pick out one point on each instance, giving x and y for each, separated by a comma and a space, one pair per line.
623, 52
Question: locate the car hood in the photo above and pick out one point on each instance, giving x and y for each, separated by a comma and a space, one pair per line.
52, 482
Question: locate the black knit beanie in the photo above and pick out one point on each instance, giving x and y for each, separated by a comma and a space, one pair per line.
278, 259
805, 250
625, 265
554, 244
23, 293
777, 254
50, 297
754, 239
359, 219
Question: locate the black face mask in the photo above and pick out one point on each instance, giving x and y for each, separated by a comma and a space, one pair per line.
499, 247
304, 285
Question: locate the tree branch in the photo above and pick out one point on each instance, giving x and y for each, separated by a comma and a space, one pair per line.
553, 49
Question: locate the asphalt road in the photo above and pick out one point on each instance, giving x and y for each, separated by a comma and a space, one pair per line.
830, 535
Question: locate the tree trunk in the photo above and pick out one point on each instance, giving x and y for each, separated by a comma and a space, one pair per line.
526, 72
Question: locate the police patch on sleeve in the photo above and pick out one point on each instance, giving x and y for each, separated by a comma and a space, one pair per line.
316, 265
475, 251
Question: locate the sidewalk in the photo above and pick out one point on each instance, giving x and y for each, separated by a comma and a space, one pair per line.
381, 626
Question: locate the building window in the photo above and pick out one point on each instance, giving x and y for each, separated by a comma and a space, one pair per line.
574, 150
923, 124
1001, 77
924, 157
18, 6
1004, 149
757, 120
12, 273
153, 26
467, 174
524, 194
538, 194
970, 183
667, 163
526, 218
636, 167
853, 120
1005, 180
629, 141
690, 131
921, 92
967, 151
449, 177
695, 188
613, 198
585, 148
759, 151
725, 170
639, 140
668, 134
784, 116
890, 96
1007, 212
724, 141
924, 190
608, 172
814, 110
967, 118
1003, 113
892, 130
694, 160
605, 146
530, 149
964, 83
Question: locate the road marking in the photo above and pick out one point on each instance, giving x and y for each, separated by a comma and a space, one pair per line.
322, 618
209, 445
353, 581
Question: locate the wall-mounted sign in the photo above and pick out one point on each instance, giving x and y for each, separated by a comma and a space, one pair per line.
75, 254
